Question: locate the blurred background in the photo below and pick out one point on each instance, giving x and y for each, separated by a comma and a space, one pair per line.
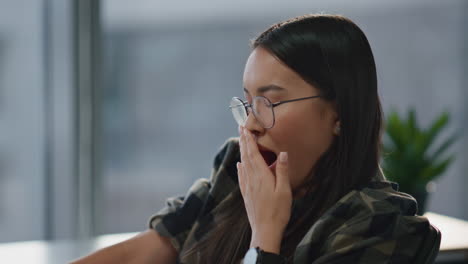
109, 107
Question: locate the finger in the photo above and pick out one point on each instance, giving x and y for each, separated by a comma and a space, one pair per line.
240, 177
282, 176
252, 151
244, 181
242, 146
249, 164
245, 150
245, 156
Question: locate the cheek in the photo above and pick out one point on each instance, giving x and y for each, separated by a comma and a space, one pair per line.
303, 129
306, 136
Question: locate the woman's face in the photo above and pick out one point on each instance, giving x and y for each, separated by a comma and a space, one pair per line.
304, 129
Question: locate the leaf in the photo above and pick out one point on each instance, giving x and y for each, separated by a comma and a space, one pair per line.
431, 172
435, 128
405, 149
412, 123
395, 131
443, 147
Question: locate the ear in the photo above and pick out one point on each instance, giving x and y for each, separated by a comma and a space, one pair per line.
334, 118
337, 128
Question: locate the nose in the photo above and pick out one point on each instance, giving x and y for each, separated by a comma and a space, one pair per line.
254, 126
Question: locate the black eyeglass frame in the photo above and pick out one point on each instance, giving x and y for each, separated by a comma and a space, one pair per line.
273, 105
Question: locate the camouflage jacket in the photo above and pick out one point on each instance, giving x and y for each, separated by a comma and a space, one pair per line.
376, 224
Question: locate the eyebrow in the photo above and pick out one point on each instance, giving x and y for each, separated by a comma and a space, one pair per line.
267, 88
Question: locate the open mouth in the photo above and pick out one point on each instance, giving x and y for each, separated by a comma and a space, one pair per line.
269, 157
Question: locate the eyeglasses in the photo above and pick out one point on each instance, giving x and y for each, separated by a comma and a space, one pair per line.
261, 107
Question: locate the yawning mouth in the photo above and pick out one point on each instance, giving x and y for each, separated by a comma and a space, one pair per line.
268, 155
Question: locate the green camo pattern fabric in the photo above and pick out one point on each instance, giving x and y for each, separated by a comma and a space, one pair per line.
376, 224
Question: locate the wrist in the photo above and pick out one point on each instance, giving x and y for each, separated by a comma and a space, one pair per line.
259, 256
267, 241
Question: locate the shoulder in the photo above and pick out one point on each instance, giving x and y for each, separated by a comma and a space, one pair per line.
375, 210
177, 218
376, 221
223, 179
377, 198
227, 153
224, 164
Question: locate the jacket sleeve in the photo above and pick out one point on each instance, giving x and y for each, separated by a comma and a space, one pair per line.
177, 218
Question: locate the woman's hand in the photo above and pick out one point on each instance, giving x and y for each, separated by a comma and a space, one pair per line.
267, 198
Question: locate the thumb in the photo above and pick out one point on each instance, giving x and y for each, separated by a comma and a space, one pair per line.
282, 176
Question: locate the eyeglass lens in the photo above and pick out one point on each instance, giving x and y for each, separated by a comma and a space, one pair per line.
262, 109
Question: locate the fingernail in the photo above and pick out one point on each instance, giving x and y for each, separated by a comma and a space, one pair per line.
283, 157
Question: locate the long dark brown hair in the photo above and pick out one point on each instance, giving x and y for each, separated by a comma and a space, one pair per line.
333, 54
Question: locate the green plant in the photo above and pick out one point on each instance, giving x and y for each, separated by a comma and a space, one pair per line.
410, 157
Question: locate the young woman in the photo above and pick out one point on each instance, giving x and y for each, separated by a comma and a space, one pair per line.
302, 183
